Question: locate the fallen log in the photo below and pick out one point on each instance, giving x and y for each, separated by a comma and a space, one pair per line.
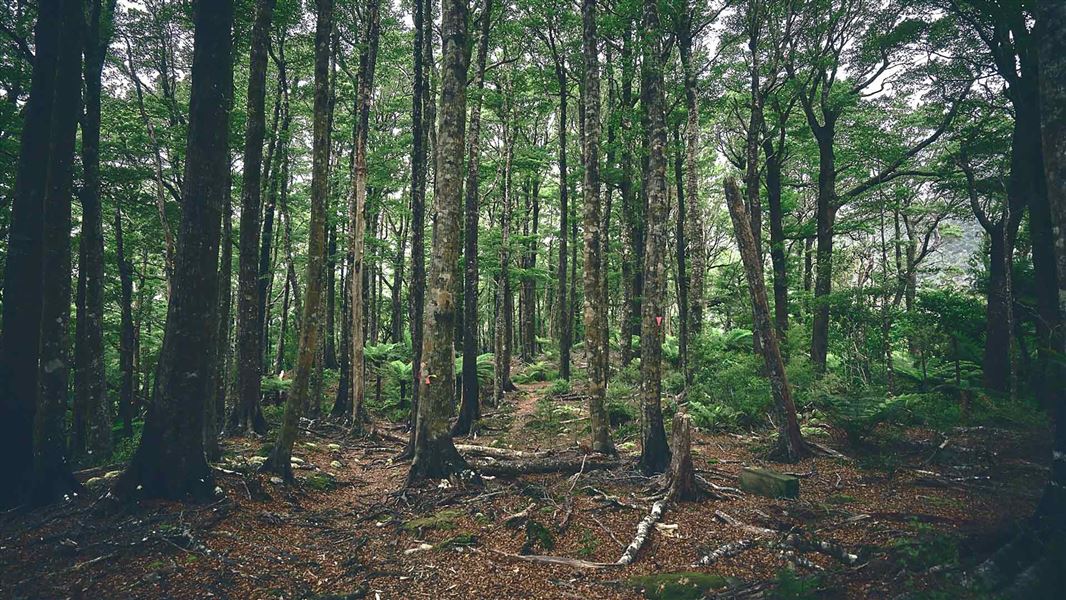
499, 453
644, 530
546, 465
729, 520
556, 560
830, 549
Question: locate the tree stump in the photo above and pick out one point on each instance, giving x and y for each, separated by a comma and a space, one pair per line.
682, 474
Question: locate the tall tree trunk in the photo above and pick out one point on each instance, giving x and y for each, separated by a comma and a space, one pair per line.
310, 328
773, 156
278, 179
504, 297
694, 235
791, 446
357, 212
681, 256
1051, 19
564, 323
329, 356
278, 461
247, 414
655, 453
215, 411
94, 438
633, 211
595, 312
20, 345
470, 407
127, 341
52, 478
435, 455
396, 320
422, 120
169, 462
826, 211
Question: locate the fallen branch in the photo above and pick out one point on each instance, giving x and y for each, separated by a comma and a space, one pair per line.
729, 550
643, 532
556, 560
613, 500
830, 549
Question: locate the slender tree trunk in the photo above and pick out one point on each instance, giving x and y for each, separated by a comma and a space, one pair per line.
595, 313
247, 414
127, 341
278, 179
655, 453
791, 446
564, 323
778, 258
826, 211
215, 413
329, 356
52, 478
396, 321
694, 235
681, 259
435, 455
470, 407
278, 461
169, 463
504, 301
357, 212
91, 388
422, 120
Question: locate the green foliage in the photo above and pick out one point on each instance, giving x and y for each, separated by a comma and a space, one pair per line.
442, 520
621, 404
559, 387
271, 384
321, 482
538, 371
589, 543
790, 586
927, 548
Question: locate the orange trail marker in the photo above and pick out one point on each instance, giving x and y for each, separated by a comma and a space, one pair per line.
659, 321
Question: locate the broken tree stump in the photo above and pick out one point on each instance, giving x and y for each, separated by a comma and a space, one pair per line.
765, 482
682, 474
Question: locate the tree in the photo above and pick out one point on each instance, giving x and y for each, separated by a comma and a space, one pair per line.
52, 478
247, 414
357, 210
310, 328
790, 444
655, 453
169, 462
595, 314
470, 407
435, 455
91, 432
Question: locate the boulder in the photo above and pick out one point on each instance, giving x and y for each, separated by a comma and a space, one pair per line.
764, 482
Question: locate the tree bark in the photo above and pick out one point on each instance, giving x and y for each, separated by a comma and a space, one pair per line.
655, 454
595, 313
278, 461
564, 323
247, 414
52, 478
93, 437
127, 341
504, 297
169, 462
694, 235
357, 212
791, 446
435, 455
470, 407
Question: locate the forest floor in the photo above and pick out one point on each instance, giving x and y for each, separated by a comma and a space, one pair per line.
915, 509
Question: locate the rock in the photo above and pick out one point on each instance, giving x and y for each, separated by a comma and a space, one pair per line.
678, 586
112, 474
310, 445
276, 480
94, 481
296, 460
333, 446
445, 519
764, 482
336, 464
257, 460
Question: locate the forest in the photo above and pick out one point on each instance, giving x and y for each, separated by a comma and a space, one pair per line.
665, 299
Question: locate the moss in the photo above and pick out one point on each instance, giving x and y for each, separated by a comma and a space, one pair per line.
463, 539
840, 499
321, 482
443, 520
678, 586
537, 535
